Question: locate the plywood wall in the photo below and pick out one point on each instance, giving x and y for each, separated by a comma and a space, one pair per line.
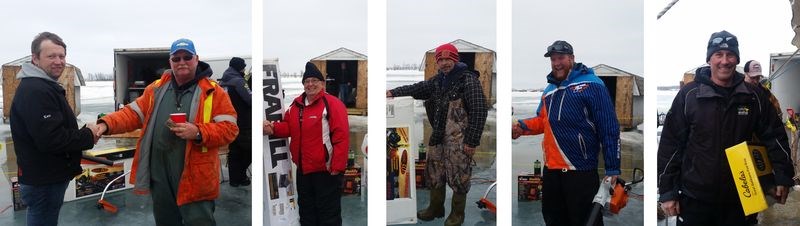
483, 64
361, 90
624, 101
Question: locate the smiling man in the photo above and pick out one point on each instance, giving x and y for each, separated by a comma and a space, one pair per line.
457, 112
177, 162
578, 121
320, 139
47, 141
716, 111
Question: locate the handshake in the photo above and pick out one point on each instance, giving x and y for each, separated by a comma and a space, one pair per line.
268, 128
97, 130
516, 130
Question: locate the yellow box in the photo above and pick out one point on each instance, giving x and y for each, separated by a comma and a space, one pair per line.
746, 178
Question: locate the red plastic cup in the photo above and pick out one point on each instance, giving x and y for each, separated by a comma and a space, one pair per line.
178, 117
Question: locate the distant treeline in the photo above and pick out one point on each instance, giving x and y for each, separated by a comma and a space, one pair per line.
403, 67
527, 90
669, 87
98, 77
291, 75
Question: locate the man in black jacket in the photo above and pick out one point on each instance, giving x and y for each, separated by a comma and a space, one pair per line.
47, 140
716, 111
457, 111
240, 151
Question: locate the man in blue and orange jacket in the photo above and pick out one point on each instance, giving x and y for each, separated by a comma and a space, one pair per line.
578, 120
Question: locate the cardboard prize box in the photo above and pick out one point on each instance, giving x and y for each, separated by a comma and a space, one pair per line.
529, 187
351, 184
747, 163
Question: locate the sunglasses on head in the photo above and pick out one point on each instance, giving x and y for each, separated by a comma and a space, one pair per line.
730, 40
558, 48
177, 59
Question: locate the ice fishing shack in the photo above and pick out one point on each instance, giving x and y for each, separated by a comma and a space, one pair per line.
353, 66
627, 93
71, 79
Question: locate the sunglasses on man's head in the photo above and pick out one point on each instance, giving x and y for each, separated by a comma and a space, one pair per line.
727, 40
177, 59
558, 48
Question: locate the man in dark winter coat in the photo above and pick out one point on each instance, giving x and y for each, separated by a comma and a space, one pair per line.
716, 111
240, 151
457, 111
47, 140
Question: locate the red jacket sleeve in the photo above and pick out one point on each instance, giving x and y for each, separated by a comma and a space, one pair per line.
281, 128
340, 129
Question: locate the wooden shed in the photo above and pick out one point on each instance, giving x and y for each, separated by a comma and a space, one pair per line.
627, 93
476, 57
71, 79
352, 64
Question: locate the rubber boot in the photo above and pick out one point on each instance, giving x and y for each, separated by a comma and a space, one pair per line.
435, 206
456, 216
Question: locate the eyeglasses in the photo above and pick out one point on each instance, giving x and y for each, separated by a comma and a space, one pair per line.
723, 42
309, 81
177, 59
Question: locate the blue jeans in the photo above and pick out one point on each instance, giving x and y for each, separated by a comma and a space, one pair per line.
44, 202
344, 93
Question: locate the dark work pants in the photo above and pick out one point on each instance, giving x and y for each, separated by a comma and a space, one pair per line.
239, 156
166, 168
567, 196
696, 212
319, 198
44, 202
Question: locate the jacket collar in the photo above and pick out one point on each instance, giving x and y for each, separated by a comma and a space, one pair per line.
301, 100
32, 71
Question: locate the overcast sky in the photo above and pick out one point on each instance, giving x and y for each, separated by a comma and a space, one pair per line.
416, 26
92, 29
681, 36
297, 31
607, 32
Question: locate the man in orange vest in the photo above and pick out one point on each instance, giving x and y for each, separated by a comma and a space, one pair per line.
177, 162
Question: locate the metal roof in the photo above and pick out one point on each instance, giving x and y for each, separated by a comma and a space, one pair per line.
341, 54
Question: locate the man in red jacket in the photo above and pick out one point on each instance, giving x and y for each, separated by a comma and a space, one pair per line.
320, 139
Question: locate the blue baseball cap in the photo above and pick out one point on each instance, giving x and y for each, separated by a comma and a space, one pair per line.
182, 44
